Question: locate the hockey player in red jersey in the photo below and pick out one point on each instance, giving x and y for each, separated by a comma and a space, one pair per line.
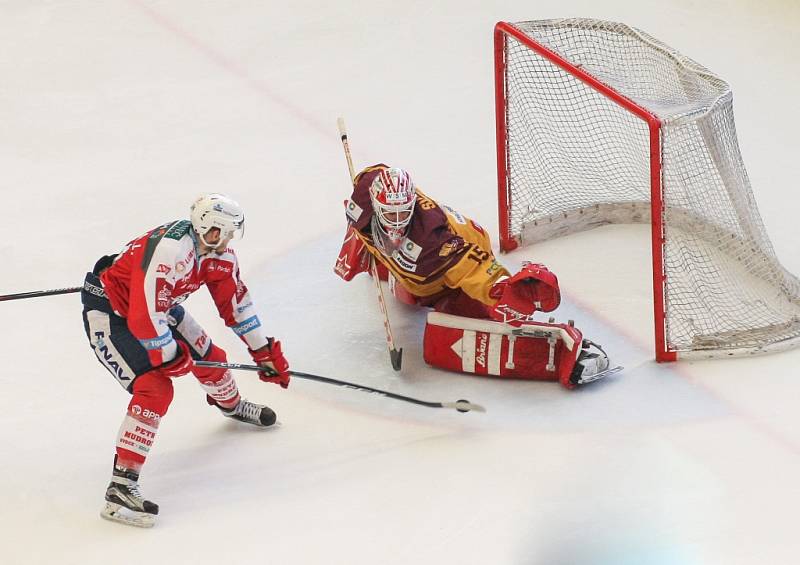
435, 256
145, 338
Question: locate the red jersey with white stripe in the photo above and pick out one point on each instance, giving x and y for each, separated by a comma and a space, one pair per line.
160, 270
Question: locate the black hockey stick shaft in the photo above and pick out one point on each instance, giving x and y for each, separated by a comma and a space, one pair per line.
38, 293
460, 405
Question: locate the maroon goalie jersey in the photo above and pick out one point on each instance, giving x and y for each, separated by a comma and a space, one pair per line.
442, 248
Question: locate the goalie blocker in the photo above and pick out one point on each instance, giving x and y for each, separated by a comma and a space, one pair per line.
533, 350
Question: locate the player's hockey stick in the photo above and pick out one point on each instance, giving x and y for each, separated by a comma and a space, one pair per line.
460, 405
395, 354
38, 293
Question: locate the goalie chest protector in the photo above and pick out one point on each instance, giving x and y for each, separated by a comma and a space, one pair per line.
539, 351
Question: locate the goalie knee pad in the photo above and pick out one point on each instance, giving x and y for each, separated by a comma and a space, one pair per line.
538, 351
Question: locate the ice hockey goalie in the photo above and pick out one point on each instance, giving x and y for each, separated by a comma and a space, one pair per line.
436, 257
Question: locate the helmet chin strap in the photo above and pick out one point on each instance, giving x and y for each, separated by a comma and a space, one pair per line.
213, 246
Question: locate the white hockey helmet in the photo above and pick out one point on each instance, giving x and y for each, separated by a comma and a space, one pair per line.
393, 195
217, 211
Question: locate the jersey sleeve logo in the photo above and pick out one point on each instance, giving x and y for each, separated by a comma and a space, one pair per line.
448, 248
410, 249
406, 265
178, 229
248, 325
352, 210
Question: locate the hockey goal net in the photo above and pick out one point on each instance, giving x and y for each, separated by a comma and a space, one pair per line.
599, 123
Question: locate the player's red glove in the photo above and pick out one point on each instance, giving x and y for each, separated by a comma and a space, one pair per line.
533, 288
276, 367
182, 363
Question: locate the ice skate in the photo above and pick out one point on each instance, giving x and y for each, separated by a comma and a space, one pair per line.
591, 366
248, 412
125, 503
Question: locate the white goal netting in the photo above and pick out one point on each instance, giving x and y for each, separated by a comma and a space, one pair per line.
576, 159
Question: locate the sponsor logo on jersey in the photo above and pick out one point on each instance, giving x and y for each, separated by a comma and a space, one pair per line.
157, 342
178, 229
448, 248
162, 268
493, 268
185, 263
353, 210
400, 260
249, 324
457, 216
241, 290
241, 308
410, 249
163, 295
200, 342
220, 266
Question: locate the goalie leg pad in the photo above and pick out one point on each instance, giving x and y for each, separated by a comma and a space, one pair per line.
537, 351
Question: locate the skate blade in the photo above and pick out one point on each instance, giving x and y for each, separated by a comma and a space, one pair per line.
600, 375
118, 513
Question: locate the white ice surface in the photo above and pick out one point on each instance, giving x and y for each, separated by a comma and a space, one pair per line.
115, 113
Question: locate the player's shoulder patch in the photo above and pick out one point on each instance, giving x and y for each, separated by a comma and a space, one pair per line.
449, 247
410, 249
178, 229
455, 214
353, 210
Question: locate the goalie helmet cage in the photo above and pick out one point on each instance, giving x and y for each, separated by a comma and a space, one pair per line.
599, 123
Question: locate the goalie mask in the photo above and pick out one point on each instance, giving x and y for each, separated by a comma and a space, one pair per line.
217, 211
393, 196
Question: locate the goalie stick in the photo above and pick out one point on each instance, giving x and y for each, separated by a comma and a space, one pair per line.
460, 405
395, 354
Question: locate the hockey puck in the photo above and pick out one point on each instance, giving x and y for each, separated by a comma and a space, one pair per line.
460, 408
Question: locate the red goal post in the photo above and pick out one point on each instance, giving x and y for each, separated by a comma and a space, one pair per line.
599, 123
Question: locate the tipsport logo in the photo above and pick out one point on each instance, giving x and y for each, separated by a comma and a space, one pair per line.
246, 326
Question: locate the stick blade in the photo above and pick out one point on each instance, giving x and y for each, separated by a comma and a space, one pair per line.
342, 129
396, 355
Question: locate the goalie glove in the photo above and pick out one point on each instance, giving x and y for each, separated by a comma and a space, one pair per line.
353, 258
276, 368
533, 288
